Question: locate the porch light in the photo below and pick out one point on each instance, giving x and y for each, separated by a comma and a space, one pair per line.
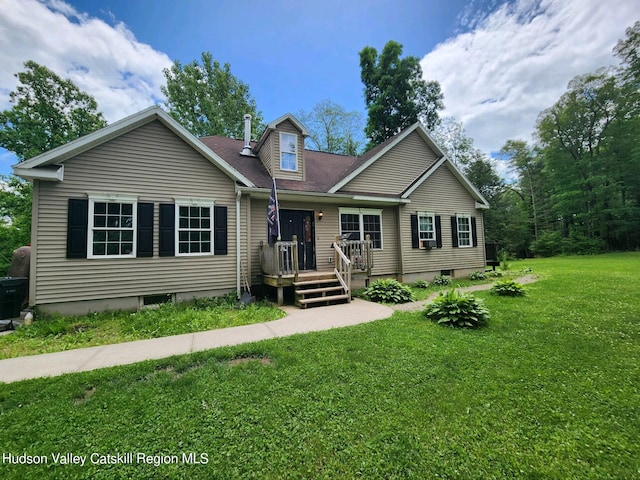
320, 215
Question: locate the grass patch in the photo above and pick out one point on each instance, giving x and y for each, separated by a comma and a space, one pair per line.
55, 333
548, 389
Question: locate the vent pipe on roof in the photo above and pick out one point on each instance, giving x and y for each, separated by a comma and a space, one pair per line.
246, 149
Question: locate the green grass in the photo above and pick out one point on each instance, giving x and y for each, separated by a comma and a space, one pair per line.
56, 333
548, 389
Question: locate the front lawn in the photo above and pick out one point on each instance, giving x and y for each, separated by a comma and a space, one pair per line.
55, 333
549, 389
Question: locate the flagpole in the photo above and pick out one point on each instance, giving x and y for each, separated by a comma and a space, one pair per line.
275, 190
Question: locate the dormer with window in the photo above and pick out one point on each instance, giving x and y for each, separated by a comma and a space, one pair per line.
281, 148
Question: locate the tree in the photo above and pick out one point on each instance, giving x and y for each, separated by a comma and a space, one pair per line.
207, 99
451, 137
332, 129
396, 95
48, 111
15, 218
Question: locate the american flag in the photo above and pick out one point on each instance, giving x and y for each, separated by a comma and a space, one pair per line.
273, 216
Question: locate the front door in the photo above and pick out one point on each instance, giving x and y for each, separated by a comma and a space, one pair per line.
300, 223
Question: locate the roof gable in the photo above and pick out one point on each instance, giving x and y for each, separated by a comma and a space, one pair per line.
39, 167
373, 155
481, 202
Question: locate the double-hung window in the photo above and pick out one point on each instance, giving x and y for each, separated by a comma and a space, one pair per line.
194, 232
426, 228
288, 152
112, 226
360, 222
465, 237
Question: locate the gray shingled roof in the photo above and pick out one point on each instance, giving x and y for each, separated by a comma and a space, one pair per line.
323, 170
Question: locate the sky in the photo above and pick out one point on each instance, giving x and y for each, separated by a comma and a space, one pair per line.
499, 63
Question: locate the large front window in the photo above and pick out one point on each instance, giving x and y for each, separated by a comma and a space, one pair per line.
112, 226
288, 156
195, 228
358, 223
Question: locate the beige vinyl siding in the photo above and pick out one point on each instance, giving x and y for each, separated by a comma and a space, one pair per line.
155, 165
443, 195
397, 169
266, 154
385, 260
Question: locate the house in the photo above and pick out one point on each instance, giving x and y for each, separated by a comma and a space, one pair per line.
142, 212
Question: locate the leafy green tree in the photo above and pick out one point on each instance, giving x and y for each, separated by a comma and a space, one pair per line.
395, 93
207, 99
452, 138
48, 111
15, 217
332, 129
574, 133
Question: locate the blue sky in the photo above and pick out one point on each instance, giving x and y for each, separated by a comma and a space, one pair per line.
499, 63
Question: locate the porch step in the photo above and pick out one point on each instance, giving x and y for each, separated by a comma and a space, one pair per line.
324, 281
323, 300
319, 288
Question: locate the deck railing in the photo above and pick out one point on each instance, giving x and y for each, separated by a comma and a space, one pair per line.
343, 268
359, 252
280, 259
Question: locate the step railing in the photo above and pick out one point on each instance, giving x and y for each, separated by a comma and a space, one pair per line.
281, 258
359, 252
342, 269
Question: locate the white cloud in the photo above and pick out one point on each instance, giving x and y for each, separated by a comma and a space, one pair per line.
104, 60
517, 60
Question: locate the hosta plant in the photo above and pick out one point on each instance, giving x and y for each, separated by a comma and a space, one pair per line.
457, 309
507, 288
441, 280
478, 275
421, 284
388, 290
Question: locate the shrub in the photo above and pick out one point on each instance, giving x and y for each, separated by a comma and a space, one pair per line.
457, 309
494, 274
478, 276
421, 284
441, 281
507, 288
503, 256
388, 290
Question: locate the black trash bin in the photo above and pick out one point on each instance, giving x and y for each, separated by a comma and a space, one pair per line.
12, 290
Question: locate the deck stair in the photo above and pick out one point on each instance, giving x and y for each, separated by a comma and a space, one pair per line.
319, 288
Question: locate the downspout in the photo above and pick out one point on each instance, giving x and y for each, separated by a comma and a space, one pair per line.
238, 253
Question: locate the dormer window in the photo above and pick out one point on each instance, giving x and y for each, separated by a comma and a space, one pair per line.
288, 155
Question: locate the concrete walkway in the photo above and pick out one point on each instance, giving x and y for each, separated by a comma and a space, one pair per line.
296, 321
85, 359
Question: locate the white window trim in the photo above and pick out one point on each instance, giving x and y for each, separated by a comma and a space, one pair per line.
111, 198
193, 202
433, 223
361, 212
458, 216
295, 152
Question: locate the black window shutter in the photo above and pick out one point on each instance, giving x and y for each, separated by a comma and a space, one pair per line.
167, 230
145, 230
438, 232
474, 231
220, 230
415, 241
454, 231
77, 226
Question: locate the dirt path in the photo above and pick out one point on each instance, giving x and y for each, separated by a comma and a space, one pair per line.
414, 306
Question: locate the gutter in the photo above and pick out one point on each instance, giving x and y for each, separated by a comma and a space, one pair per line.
238, 253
